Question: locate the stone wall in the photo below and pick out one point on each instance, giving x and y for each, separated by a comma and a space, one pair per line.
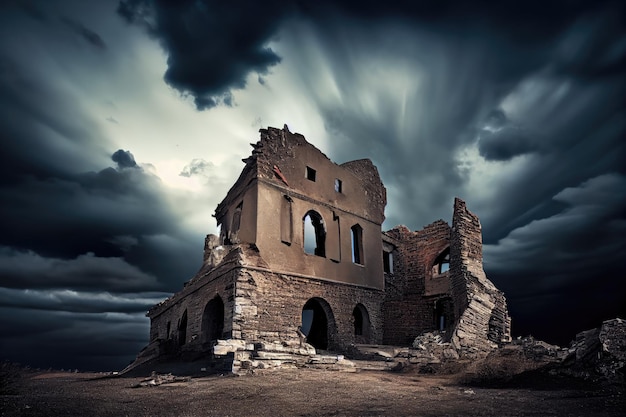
482, 320
408, 310
268, 306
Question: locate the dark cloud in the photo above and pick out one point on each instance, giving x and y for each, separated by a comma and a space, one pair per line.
198, 34
86, 231
87, 34
211, 47
433, 93
505, 143
124, 159
98, 341
79, 302
29, 270
556, 265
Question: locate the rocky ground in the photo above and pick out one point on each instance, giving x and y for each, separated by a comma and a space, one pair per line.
527, 377
305, 392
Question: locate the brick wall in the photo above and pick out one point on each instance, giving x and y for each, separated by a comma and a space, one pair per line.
407, 310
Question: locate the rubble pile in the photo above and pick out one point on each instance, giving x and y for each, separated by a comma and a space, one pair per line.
248, 357
599, 352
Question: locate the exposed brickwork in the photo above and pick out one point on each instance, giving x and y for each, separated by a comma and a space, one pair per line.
483, 320
408, 310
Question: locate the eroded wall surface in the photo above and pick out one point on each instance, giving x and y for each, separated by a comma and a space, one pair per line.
483, 320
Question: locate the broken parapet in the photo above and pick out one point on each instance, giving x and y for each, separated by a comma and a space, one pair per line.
214, 251
483, 321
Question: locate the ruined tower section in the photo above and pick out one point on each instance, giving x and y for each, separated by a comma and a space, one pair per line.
417, 290
482, 319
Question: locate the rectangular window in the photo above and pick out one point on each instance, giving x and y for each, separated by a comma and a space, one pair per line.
338, 185
310, 174
387, 262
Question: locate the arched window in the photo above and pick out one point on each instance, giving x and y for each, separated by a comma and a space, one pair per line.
442, 263
213, 320
314, 234
361, 324
356, 233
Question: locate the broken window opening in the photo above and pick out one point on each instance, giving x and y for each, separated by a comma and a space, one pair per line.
182, 329
356, 232
442, 263
387, 262
310, 174
314, 234
338, 185
234, 229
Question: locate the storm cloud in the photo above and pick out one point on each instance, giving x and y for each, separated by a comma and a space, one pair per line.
515, 107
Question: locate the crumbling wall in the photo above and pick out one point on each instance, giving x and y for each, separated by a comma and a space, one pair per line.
408, 308
482, 320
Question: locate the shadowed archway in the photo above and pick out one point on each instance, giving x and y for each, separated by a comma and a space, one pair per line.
318, 323
213, 320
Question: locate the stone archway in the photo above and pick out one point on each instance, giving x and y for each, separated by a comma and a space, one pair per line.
318, 323
213, 320
362, 326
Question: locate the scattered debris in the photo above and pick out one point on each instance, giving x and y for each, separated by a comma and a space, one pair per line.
156, 379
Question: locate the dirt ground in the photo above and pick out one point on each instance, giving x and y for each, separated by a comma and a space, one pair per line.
301, 392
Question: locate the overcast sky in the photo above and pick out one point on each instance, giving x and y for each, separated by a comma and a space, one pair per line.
123, 124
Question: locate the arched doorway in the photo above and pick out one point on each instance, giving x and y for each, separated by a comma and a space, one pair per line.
213, 320
317, 323
362, 325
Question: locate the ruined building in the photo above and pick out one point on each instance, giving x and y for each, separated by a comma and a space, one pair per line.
301, 254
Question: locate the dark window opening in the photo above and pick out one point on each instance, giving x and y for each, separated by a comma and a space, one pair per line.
443, 314
314, 234
356, 232
310, 174
442, 263
388, 262
182, 329
169, 327
358, 322
338, 185
213, 320
315, 324
361, 324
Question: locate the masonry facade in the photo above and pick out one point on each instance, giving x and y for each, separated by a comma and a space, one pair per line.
301, 254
